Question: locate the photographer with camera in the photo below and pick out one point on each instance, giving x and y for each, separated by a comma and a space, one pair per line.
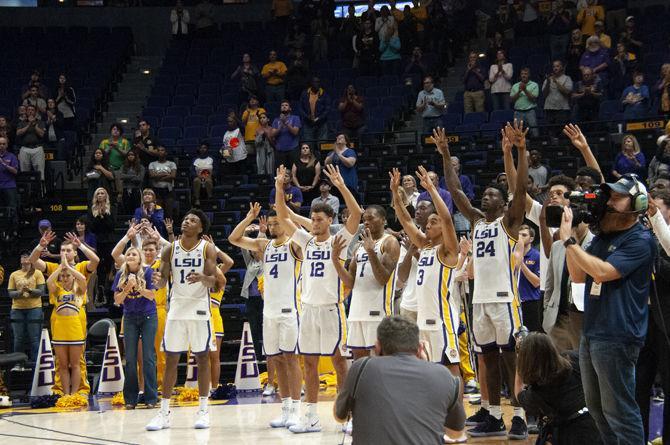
616, 269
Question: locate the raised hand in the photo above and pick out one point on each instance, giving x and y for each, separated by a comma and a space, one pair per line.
465, 245
279, 178
652, 208
194, 277
208, 238
255, 208
63, 259
395, 180
518, 253
156, 278
368, 242
47, 238
76, 242
565, 231
440, 140
516, 133
169, 224
506, 143
338, 245
131, 233
574, 133
333, 174
424, 179
262, 224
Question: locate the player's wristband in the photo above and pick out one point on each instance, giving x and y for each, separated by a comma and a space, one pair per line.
569, 242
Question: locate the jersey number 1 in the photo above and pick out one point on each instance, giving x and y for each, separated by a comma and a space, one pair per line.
484, 248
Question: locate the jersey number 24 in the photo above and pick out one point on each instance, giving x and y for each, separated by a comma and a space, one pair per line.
485, 249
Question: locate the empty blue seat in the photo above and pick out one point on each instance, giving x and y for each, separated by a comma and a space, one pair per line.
177, 111
153, 111
187, 89
165, 133
377, 91
217, 131
184, 101
217, 119
202, 110
451, 120
153, 121
197, 131
172, 121
158, 101
194, 120
608, 109
475, 118
490, 129
502, 116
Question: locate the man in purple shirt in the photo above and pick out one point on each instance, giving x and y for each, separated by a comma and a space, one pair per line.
445, 195
9, 167
286, 130
529, 279
596, 57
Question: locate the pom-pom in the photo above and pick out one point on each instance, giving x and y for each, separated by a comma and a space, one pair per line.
118, 399
224, 392
44, 401
188, 395
72, 401
261, 285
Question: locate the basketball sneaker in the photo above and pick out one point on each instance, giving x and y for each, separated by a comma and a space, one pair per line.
478, 418
280, 422
518, 430
269, 390
490, 427
471, 387
159, 422
201, 420
348, 427
308, 424
293, 417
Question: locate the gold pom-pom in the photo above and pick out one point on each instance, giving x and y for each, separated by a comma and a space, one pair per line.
261, 285
264, 378
188, 395
72, 401
118, 399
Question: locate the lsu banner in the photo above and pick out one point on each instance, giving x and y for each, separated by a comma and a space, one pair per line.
247, 377
45, 368
111, 374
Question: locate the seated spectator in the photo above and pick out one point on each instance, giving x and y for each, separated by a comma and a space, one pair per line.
150, 210
597, 58
527, 261
6, 130
203, 169
35, 80
587, 96
587, 17
349, 27
576, 47
292, 194
497, 43
9, 167
320, 27
660, 163
285, 131
415, 67
326, 198
132, 177
116, 147
624, 64
662, 89
180, 18
345, 159
366, 50
249, 78
523, 96
635, 98
297, 75
549, 385
558, 27
85, 236
473, 80
274, 73
163, 173
389, 50
430, 103
145, 143
631, 36
65, 100
36, 100
234, 150
264, 144
557, 91
539, 172
98, 174
630, 159
26, 287
384, 22
500, 77
295, 39
410, 189
306, 173
314, 107
29, 137
251, 119
444, 194
352, 113
398, 383
53, 121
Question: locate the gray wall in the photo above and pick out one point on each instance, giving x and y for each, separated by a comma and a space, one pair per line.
151, 26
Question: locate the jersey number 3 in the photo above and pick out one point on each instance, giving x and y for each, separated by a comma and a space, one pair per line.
485, 249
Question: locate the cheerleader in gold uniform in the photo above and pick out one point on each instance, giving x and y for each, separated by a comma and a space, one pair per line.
67, 293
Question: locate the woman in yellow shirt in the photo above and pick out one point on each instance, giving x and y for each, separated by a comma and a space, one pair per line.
67, 293
26, 287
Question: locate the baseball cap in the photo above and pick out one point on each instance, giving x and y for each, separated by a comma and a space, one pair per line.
626, 185
44, 223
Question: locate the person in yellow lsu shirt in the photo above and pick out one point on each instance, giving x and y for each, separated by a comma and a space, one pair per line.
68, 248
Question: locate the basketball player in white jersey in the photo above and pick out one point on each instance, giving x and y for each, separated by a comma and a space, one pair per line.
190, 262
496, 315
322, 330
281, 269
371, 278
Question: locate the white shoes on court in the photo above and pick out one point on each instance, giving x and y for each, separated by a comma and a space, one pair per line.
162, 421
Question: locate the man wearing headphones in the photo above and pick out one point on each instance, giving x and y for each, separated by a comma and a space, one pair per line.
616, 269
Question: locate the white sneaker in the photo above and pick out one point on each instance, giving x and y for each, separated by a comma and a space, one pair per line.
308, 424
280, 422
348, 427
293, 419
269, 390
159, 422
201, 420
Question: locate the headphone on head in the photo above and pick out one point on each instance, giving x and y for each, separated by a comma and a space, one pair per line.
639, 201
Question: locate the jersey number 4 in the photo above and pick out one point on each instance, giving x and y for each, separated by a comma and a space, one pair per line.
274, 272
485, 249
317, 269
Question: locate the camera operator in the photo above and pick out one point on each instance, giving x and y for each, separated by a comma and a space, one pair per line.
655, 354
616, 269
398, 398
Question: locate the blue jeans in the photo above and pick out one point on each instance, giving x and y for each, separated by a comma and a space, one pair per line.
461, 223
500, 101
136, 326
275, 93
429, 123
529, 119
314, 133
26, 327
608, 378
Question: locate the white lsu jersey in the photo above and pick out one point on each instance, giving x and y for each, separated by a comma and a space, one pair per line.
370, 301
280, 274
493, 264
320, 283
188, 301
435, 310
